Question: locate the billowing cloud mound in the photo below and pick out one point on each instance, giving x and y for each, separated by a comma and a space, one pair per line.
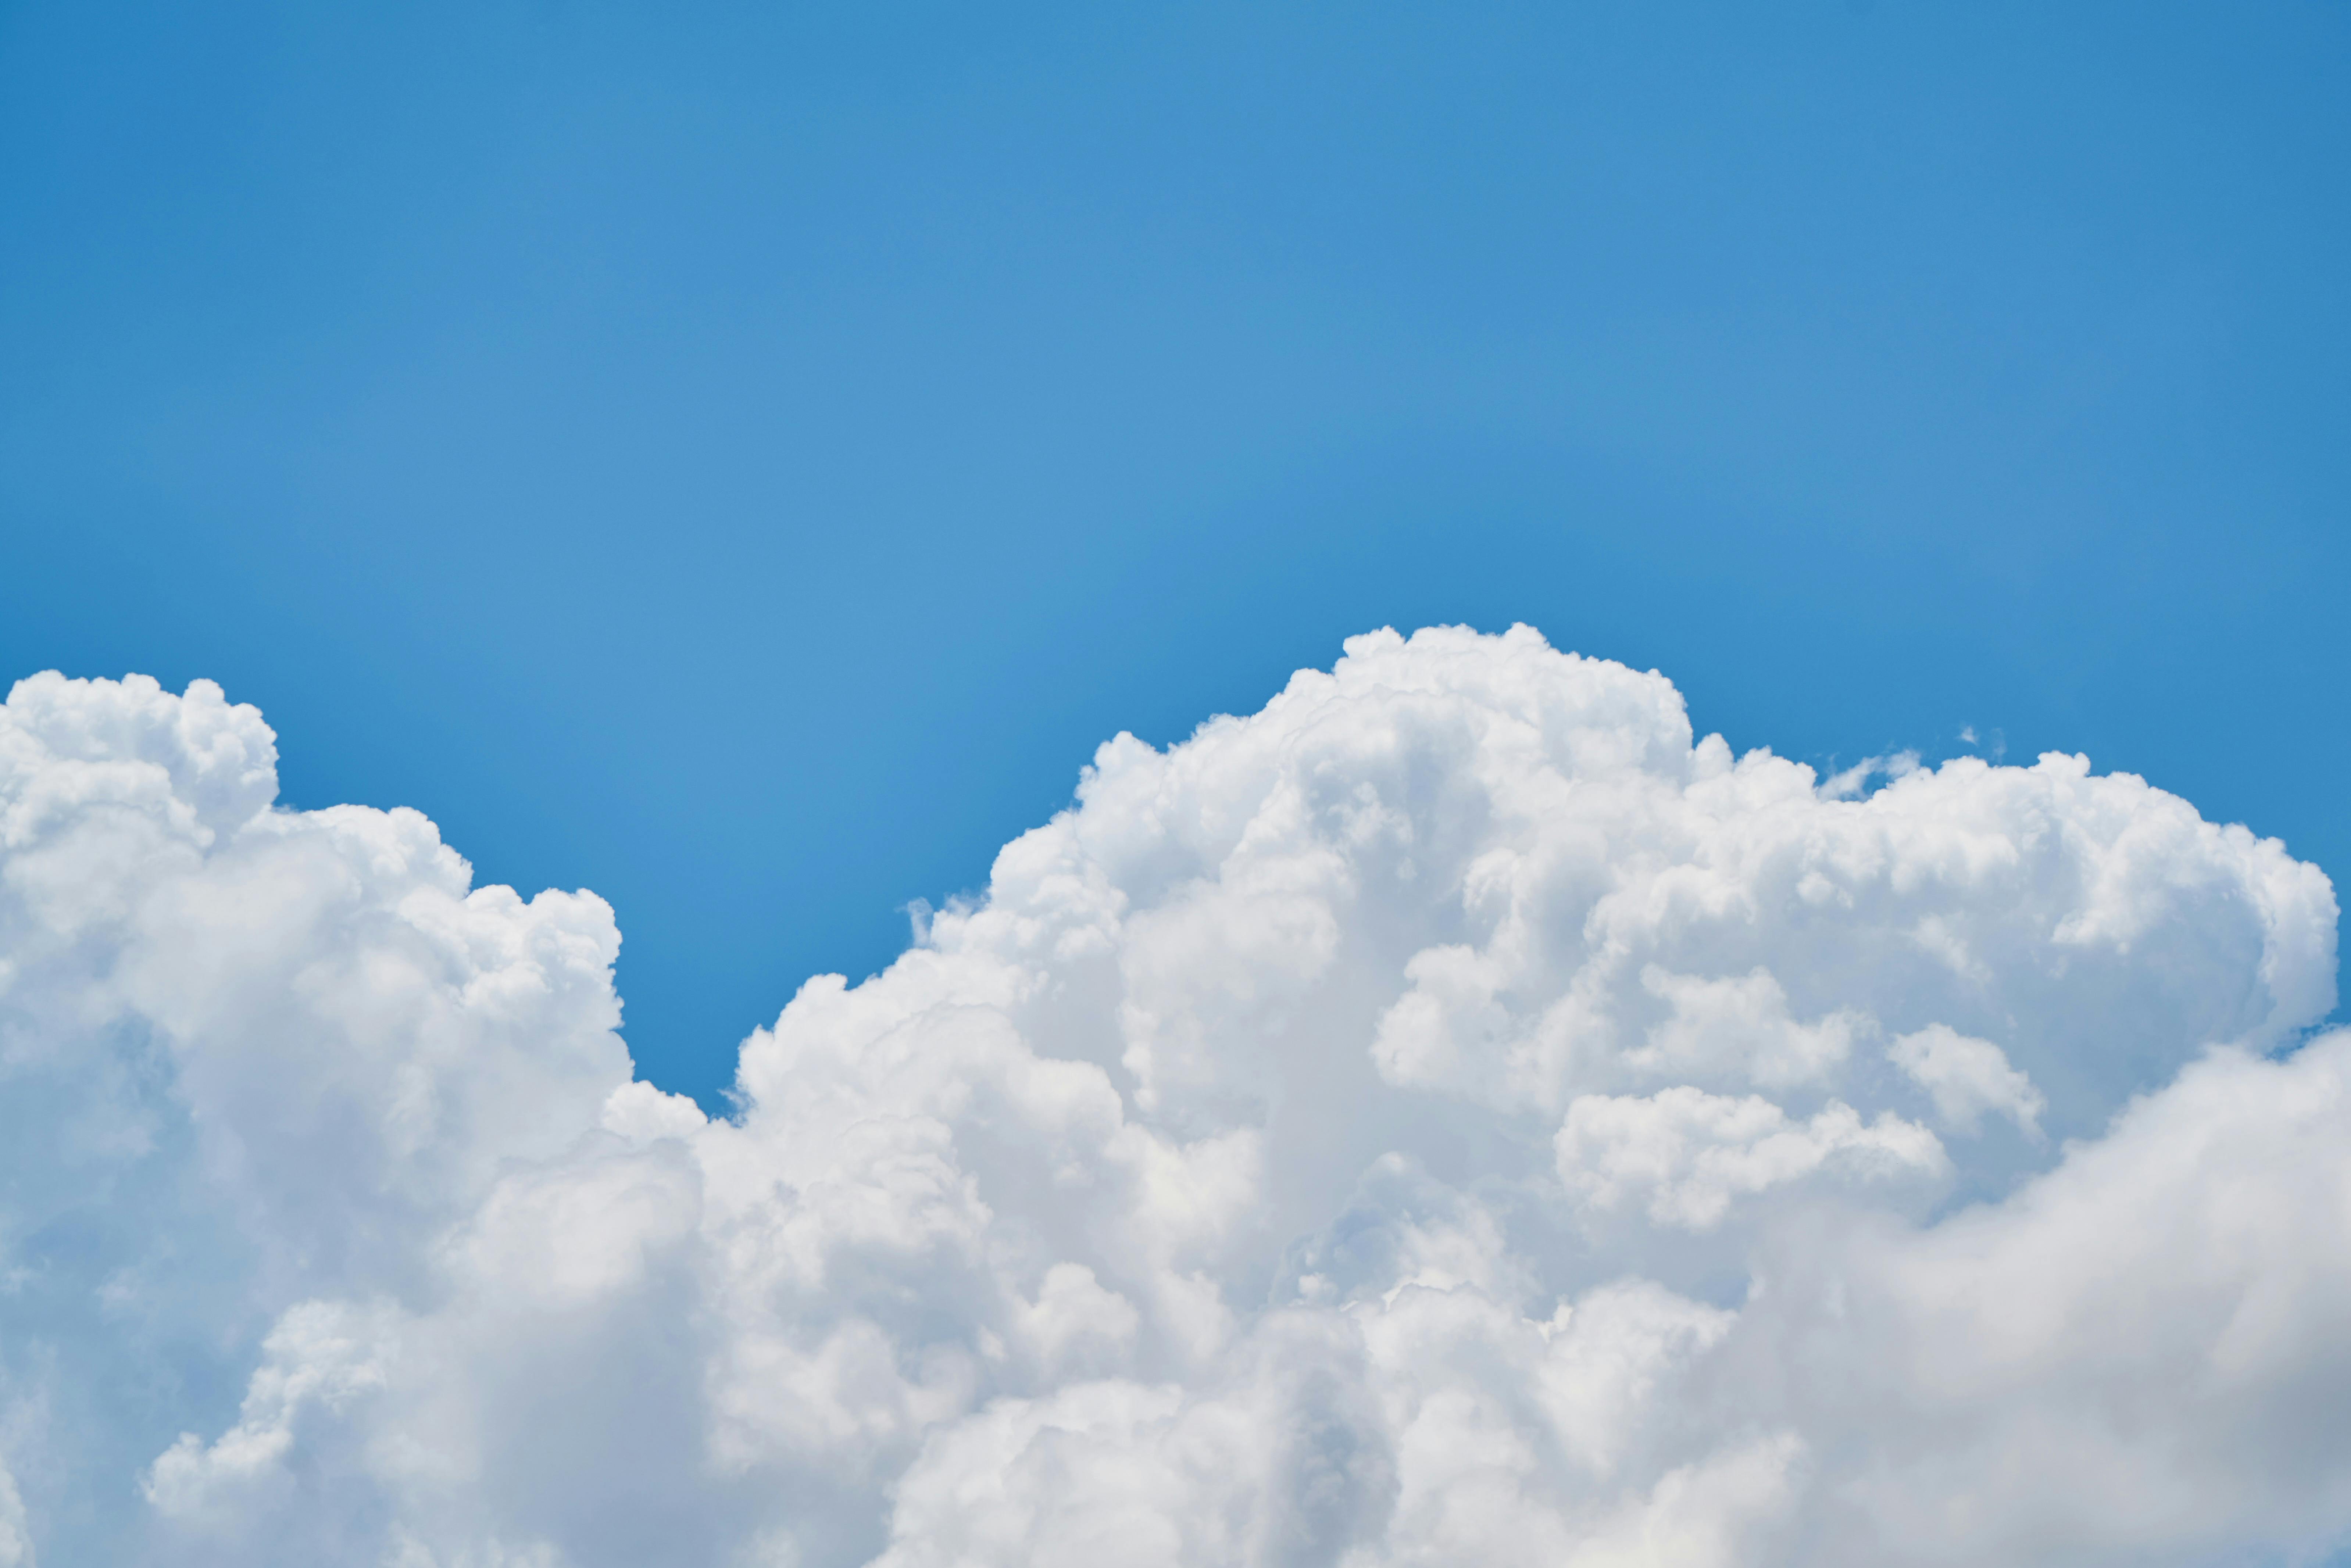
1451, 1116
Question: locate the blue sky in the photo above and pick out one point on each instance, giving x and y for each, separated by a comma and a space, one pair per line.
744, 459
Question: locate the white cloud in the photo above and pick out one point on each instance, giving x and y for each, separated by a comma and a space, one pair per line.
1737, 1026
1966, 1078
321, 1354
1687, 1154
1454, 1114
2138, 1357
15, 1547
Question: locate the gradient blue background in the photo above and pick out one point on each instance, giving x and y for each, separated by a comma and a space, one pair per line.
742, 459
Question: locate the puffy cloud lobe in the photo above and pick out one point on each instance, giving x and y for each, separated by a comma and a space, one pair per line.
1688, 1154
1966, 1078
250, 1058
1454, 1114
2138, 1357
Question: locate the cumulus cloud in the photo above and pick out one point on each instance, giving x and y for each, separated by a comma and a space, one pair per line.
1454, 1114
1688, 1154
1966, 1078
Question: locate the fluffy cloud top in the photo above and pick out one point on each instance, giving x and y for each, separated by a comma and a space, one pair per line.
1454, 1115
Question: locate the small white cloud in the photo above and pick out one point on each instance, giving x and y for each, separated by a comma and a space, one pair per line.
1738, 1026
1967, 1077
1074, 1320
322, 1356
1684, 1155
